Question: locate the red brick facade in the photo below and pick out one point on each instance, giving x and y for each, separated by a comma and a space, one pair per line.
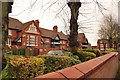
30, 35
83, 41
103, 42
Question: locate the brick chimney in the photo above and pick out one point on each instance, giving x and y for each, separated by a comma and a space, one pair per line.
37, 22
55, 28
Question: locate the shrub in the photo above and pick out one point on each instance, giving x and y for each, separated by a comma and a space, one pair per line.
74, 58
55, 62
111, 50
23, 68
85, 56
97, 52
70, 54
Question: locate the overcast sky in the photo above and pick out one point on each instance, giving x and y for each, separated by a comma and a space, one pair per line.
55, 14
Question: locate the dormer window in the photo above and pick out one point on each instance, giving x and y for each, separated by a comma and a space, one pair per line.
42, 43
32, 27
57, 38
20, 40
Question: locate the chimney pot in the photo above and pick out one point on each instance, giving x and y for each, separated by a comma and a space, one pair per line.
55, 28
37, 21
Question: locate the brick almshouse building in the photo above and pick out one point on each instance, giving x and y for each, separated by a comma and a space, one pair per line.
30, 35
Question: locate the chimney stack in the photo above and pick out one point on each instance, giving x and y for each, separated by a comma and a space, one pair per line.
37, 22
55, 28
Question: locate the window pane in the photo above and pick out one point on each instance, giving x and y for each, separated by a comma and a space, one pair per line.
32, 40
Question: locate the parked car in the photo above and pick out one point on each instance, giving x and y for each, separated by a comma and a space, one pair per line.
9, 52
55, 52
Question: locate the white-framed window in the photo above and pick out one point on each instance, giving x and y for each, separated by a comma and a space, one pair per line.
42, 43
106, 45
64, 42
101, 45
67, 44
9, 32
41, 50
61, 47
27, 40
47, 40
32, 40
101, 42
32, 27
36, 40
9, 41
60, 42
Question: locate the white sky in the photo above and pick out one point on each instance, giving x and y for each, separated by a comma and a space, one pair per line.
25, 10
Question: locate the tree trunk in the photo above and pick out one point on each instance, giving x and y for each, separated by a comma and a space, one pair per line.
74, 7
6, 9
104, 44
110, 42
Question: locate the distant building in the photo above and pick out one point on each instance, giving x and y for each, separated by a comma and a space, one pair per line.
83, 41
94, 47
103, 44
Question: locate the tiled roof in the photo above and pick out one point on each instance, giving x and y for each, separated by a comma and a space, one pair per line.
81, 36
26, 24
52, 34
15, 24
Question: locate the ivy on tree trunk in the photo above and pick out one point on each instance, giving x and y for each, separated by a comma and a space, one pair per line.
74, 7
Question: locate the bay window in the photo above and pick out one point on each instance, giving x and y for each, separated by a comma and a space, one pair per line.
32, 40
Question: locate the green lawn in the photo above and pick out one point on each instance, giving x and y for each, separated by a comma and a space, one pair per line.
9, 55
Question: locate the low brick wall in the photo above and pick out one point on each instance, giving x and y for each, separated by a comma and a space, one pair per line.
102, 67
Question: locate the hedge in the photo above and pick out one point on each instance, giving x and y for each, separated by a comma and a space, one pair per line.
56, 62
23, 68
74, 58
85, 56
111, 50
97, 52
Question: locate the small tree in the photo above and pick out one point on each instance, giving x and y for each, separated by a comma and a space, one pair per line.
109, 29
104, 42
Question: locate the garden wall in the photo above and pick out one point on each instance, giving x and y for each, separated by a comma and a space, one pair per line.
102, 67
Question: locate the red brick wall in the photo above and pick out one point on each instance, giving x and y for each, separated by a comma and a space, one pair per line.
14, 33
102, 67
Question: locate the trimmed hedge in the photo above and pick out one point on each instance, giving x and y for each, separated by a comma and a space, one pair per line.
85, 56
74, 58
111, 50
56, 62
23, 68
97, 52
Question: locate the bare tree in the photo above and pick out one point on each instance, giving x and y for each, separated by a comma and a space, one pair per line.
109, 29
74, 6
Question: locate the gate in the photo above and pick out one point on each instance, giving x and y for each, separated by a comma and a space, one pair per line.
21, 51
